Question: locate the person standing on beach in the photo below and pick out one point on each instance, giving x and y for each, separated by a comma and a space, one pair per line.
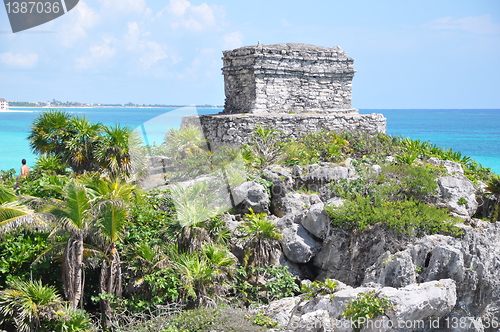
25, 170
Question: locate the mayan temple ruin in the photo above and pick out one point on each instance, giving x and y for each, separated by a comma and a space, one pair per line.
295, 88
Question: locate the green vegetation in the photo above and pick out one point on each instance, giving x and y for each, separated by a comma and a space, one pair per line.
493, 188
366, 306
82, 246
317, 287
80, 144
408, 217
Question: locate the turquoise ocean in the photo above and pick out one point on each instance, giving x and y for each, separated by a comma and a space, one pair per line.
473, 132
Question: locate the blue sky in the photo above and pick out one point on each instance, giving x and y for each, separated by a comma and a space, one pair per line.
408, 54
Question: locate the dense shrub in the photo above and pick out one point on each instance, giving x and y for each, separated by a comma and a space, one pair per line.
407, 217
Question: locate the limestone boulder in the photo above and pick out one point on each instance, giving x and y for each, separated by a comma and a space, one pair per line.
252, 195
452, 167
392, 270
319, 175
316, 221
294, 203
458, 194
298, 245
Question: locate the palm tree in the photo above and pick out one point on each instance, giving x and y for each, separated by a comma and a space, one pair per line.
81, 145
261, 235
113, 153
194, 205
494, 190
112, 198
49, 133
267, 144
198, 278
14, 214
185, 141
27, 303
75, 215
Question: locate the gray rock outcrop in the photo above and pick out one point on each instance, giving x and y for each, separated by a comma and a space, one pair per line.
417, 307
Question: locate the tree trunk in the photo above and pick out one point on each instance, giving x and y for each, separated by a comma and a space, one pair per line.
72, 270
110, 282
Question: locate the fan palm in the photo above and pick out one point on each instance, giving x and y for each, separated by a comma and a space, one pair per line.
194, 205
14, 214
81, 145
26, 303
198, 278
185, 141
49, 132
261, 235
113, 152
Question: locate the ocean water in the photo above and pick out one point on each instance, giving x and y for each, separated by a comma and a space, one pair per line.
475, 133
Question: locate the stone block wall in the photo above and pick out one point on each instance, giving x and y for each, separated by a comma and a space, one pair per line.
284, 78
235, 129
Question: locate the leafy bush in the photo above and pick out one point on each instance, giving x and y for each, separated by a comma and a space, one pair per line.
18, 250
314, 148
406, 217
319, 288
394, 182
279, 283
366, 306
171, 319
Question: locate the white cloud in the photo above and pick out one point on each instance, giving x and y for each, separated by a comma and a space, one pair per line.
178, 7
86, 18
127, 6
132, 36
97, 54
478, 24
153, 52
190, 17
19, 60
232, 40
150, 51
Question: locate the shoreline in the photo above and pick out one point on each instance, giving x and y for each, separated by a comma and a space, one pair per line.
57, 107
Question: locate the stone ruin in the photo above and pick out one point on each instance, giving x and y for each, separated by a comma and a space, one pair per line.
286, 78
295, 88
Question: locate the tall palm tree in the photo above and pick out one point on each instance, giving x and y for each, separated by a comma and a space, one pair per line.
261, 235
494, 190
112, 210
27, 303
75, 215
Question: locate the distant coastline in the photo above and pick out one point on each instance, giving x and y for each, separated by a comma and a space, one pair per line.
117, 106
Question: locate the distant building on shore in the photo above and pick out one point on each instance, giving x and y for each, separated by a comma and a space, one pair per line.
4, 104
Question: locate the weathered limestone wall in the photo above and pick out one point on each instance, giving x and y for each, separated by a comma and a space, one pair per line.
235, 129
284, 78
